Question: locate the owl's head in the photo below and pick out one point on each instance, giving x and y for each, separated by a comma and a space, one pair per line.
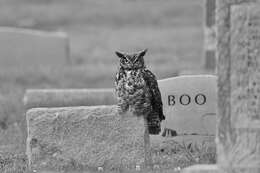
132, 61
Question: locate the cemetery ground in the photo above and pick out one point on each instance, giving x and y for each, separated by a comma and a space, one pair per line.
172, 32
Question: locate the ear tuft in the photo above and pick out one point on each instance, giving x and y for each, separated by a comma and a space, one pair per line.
119, 54
143, 52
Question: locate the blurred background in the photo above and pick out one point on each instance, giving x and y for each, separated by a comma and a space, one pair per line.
172, 30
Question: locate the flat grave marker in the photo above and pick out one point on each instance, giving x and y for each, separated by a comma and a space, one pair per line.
27, 48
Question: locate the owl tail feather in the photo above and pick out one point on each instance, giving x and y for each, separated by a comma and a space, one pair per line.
162, 117
154, 124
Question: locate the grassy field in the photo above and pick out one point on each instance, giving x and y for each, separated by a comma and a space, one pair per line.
172, 30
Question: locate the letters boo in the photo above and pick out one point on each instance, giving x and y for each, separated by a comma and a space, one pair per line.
185, 99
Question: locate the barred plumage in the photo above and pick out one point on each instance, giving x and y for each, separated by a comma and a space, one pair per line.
137, 90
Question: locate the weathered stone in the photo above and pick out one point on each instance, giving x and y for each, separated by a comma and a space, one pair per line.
83, 138
202, 169
36, 98
238, 135
29, 48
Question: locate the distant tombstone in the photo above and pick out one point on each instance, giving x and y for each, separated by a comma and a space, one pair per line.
27, 48
190, 104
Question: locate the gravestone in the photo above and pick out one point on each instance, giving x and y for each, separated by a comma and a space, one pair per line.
238, 120
189, 104
83, 138
36, 98
56, 136
238, 137
29, 48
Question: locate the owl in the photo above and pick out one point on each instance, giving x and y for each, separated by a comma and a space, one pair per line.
137, 90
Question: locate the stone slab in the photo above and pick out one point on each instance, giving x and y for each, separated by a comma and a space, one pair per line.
189, 104
78, 138
202, 169
238, 134
36, 98
186, 119
27, 48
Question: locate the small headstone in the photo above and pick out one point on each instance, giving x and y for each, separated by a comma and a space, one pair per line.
27, 48
189, 104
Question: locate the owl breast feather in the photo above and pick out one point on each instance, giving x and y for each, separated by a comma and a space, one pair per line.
135, 92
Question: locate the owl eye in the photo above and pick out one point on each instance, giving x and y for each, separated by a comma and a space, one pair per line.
123, 59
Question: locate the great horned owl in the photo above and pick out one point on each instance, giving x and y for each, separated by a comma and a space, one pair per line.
137, 90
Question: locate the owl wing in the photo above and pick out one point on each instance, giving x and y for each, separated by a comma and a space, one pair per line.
118, 77
156, 100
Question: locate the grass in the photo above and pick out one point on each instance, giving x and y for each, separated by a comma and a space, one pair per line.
170, 157
171, 30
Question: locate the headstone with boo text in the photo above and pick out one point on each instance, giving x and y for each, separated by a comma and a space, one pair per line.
189, 104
